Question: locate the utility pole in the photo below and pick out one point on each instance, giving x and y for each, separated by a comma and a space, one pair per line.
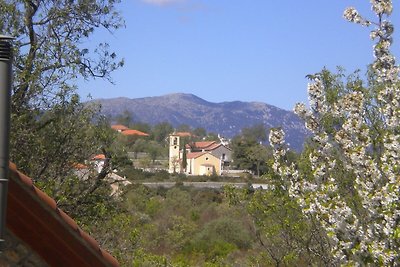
5, 96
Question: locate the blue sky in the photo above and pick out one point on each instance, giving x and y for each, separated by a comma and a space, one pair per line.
227, 50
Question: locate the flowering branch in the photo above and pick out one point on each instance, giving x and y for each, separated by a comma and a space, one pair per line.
371, 235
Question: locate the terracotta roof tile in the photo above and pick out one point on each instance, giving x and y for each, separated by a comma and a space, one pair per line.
34, 217
109, 258
214, 146
134, 132
99, 157
119, 127
25, 179
45, 198
79, 166
202, 145
68, 219
90, 240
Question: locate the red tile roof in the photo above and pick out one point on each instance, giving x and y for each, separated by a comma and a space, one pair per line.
119, 127
79, 166
35, 218
194, 155
99, 157
134, 132
201, 145
214, 146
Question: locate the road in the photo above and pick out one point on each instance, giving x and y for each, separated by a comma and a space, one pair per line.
214, 185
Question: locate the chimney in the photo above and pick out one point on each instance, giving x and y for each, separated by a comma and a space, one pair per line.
5, 95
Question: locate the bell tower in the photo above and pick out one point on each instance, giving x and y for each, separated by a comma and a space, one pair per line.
174, 154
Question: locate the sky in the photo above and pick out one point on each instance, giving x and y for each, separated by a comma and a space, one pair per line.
233, 50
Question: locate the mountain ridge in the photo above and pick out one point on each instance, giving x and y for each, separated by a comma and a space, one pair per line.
226, 118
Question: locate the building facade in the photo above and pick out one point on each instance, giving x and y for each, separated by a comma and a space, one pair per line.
202, 158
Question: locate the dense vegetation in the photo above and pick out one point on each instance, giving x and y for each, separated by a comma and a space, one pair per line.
183, 226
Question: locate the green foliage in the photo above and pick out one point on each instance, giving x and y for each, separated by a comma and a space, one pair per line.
51, 129
177, 227
178, 232
222, 231
135, 175
143, 259
161, 131
249, 154
154, 150
256, 133
49, 49
141, 126
47, 145
111, 228
284, 235
183, 128
200, 132
135, 145
125, 118
282, 230
211, 137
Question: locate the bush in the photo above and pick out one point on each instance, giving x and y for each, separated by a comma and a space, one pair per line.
220, 237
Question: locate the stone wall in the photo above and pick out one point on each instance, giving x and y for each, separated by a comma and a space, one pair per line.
17, 253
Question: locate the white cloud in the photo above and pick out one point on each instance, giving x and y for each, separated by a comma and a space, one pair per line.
162, 2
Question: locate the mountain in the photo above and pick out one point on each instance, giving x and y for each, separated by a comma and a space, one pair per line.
226, 118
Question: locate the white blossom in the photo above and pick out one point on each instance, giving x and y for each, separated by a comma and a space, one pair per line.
382, 6
375, 172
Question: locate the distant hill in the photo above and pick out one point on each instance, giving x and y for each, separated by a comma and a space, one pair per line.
226, 118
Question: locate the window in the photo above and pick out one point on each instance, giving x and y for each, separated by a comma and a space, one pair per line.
206, 158
175, 141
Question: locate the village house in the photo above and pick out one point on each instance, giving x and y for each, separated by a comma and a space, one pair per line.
128, 132
119, 127
96, 163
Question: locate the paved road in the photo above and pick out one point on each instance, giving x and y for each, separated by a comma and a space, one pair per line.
215, 185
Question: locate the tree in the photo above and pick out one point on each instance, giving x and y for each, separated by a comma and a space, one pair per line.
125, 118
51, 129
259, 155
138, 145
47, 57
49, 50
141, 126
200, 132
257, 133
154, 149
283, 232
184, 158
364, 229
184, 128
248, 151
211, 137
240, 147
161, 131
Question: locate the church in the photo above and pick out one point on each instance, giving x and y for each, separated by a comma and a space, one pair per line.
201, 158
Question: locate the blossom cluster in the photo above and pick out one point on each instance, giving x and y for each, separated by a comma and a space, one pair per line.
366, 151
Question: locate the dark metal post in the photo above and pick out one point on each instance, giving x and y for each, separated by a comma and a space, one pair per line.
5, 95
